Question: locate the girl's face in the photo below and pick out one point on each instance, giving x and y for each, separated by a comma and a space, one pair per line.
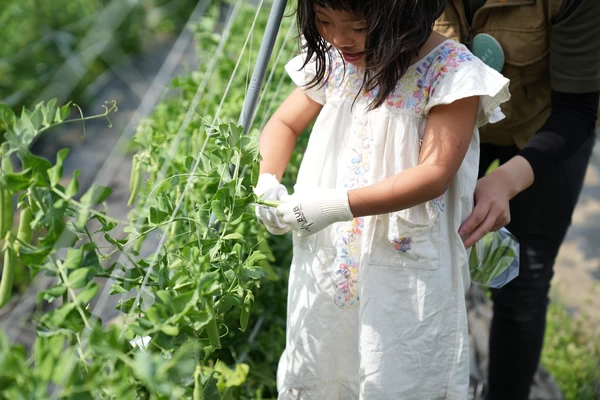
345, 31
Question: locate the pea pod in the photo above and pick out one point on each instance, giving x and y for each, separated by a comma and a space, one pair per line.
176, 225
7, 166
245, 314
25, 232
6, 211
198, 394
175, 265
135, 180
8, 272
270, 203
211, 328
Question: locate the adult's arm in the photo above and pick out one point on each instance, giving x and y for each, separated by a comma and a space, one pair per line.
575, 76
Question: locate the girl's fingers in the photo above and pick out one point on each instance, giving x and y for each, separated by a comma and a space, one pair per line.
268, 218
275, 220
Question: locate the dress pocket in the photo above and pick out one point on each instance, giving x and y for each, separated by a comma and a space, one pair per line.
407, 239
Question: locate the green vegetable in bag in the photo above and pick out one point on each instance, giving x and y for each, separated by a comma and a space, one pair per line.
494, 260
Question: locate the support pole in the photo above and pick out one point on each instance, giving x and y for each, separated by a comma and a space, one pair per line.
258, 75
262, 63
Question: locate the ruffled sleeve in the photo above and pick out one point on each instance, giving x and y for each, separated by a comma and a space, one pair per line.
302, 76
462, 75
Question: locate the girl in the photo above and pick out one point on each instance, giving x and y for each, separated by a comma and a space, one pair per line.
376, 292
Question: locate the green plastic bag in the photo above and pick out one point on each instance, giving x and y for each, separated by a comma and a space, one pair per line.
494, 260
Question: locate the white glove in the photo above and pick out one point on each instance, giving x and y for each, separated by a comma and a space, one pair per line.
309, 213
269, 188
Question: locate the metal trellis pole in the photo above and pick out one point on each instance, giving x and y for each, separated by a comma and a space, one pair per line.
262, 63
258, 74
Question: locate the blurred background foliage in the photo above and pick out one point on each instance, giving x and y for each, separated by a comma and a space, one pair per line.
83, 37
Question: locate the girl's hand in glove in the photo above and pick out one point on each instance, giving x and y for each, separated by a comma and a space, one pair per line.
269, 188
309, 213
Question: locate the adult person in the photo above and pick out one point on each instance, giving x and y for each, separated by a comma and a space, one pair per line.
549, 50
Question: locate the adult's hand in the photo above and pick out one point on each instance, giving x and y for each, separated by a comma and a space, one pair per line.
492, 195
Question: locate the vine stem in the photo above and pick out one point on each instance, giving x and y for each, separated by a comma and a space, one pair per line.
107, 111
157, 185
63, 276
148, 232
91, 210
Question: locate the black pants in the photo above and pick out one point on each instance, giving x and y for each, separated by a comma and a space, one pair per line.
540, 217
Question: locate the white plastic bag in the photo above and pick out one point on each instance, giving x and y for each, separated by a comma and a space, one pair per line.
494, 259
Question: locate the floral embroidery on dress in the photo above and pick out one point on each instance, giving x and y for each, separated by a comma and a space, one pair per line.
349, 234
402, 244
347, 263
439, 202
412, 91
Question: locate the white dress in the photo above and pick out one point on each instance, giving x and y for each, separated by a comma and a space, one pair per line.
376, 306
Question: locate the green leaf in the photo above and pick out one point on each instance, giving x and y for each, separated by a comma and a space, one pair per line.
227, 302
63, 112
189, 163
234, 236
154, 315
116, 289
203, 215
62, 367
250, 150
232, 378
87, 294
36, 117
210, 391
73, 259
254, 258
80, 277
56, 317
51, 294
73, 186
95, 195
106, 342
82, 218
144, 367
126, 305
39, 167
49, 112
55, 173
205, 164
19, 181
217, 208
207, 279
157, 216
254, 273
35, 256
7, 117
181, 301
199, 319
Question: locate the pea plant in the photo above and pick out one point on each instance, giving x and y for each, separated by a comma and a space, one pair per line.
178, 303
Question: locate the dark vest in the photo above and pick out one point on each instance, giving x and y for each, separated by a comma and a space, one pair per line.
523, 29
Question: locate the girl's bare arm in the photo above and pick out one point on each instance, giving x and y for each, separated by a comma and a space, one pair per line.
280, 134
447, 136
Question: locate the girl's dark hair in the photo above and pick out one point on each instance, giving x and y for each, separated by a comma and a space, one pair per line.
396, 30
